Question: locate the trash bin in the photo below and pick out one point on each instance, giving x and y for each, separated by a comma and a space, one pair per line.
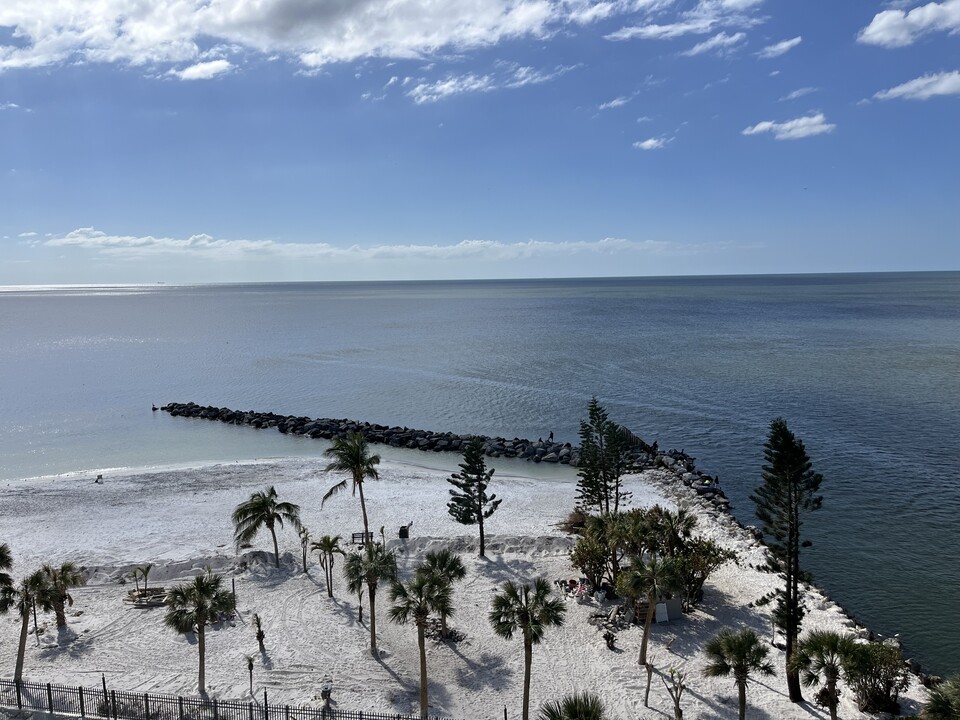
404, 532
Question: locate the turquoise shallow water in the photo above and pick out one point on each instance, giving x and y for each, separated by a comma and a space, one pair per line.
865, 368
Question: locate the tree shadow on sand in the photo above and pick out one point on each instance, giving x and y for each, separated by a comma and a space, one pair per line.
499, 570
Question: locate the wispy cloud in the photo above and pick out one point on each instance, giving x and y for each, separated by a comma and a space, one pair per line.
897, 28
795, 129
654, 143
780, 48
454, 85
615, 103
205, 246
27, 234
925, 87
798, 93
204, 71
9, 106
720, 42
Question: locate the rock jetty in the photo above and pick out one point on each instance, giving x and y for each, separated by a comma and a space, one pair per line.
644, 456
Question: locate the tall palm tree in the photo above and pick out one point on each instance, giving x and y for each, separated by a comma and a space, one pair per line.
368, 567
944, 701
443, 568
740, 653
823, 653
350, 455
649, 578
59, 582
529, 610
578, 706
193, 605
327, 547
263, 510
23, 599
415, 601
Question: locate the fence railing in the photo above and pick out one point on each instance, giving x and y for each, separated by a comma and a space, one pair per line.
99, 702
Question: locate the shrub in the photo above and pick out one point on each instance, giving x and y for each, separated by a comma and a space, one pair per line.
877, 675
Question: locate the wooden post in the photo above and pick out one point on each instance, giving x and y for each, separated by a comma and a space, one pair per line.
83, 712
146, 705
266, 710
504, 712
180, 705
113, 700
49, 698
216, 715
233, 584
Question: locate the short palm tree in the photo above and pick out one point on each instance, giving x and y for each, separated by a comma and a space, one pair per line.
350, 454
823, 653
415, 601
193, 605
443, 568
327, 547
740, 653
263, 510
304, 545
6, 562
649, 578
944, 701
56, 590
578, 706
368, 567
530, 611
23, 599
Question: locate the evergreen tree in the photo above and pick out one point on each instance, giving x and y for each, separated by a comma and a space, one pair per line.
788, 492
469, 503
605, 457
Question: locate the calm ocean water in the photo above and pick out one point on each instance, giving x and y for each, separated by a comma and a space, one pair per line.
865, 368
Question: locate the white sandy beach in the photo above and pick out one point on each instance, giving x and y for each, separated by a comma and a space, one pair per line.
180, 521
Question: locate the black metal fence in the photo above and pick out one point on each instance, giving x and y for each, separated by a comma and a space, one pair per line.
99, 702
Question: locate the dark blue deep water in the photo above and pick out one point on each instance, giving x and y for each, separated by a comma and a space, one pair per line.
865, 368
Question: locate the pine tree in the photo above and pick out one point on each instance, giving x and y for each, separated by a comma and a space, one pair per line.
605, 457
788, 492
469, 503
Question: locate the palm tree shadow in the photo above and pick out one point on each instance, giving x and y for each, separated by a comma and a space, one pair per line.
265, 660
490, 672
499, 570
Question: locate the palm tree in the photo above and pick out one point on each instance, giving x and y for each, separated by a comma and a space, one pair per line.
56, 590
740, 653
823, 652
650, 579
443, 568
578, 706
531, 611
6, 562
262, 509
415, 601
369, 566
350, 455
193, 605
327, 547
944, 701
23, 599
304, 545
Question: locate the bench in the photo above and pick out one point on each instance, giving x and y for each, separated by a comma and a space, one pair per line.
362, 538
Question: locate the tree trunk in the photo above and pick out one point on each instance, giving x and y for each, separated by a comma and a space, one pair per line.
646, 695
363, 508
328, 569
651, 609
372, 593
421, 641
60, 612
480, 523
304, 549
527, 662
832, 691
742, 694
22, 648
276, 548
202, 646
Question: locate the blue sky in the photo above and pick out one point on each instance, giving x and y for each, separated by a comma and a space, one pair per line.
230, 140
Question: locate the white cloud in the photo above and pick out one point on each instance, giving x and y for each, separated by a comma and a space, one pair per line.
654, 143
798, 93
432, 92
793, 129
615, 103
720, 42
27, 234
925, 87
204, 70
662, 32
8, 106
780, 48
896, 28
206, 247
